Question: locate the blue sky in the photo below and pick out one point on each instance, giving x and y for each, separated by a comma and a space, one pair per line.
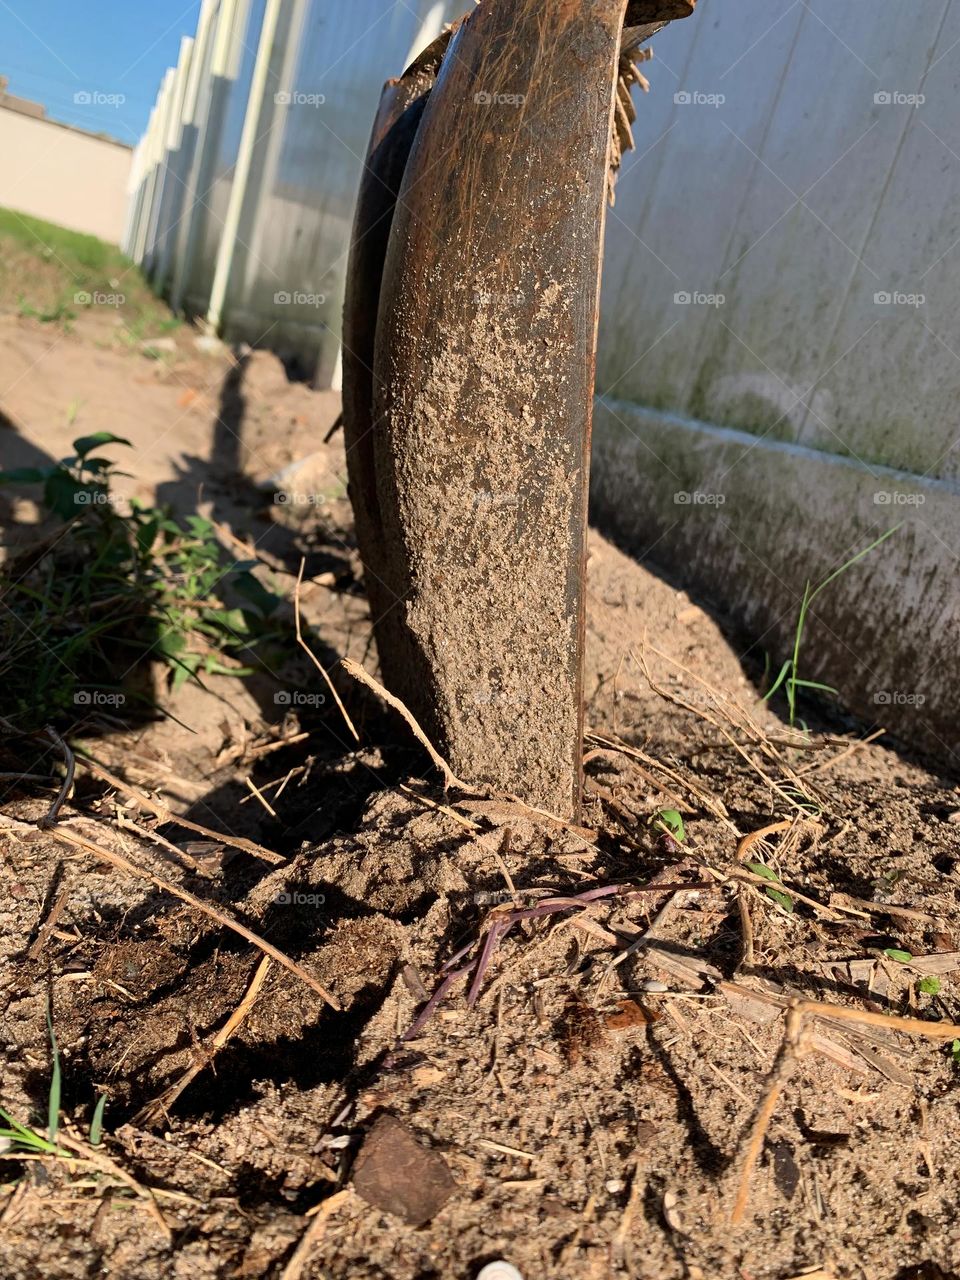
52, 50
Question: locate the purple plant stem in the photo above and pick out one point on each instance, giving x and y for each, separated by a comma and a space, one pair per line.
500, 928
504, 922
428, 1009
458, 956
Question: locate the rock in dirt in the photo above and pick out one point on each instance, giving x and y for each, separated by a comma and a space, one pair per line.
396, 1173
208, 344
499, 1270
166, 345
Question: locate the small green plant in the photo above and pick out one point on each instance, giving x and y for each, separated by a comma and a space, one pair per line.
803, 802
96, 1124
114, 585
788, 676
671, 823
53, 1101
775, 890
17, 1137
51, 315
929, 986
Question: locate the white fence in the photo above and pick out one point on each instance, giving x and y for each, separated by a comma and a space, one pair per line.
779, 363
242, 189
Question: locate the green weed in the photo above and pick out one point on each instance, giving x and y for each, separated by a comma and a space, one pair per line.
788, 676
111, 587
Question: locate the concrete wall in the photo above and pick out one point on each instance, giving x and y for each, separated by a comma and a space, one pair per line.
779, 337
53, 171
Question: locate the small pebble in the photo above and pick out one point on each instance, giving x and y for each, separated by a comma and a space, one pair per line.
615, 1185
652, 984
499, 1270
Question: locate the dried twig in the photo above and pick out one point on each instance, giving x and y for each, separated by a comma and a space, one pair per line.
161, 1104
442, 808
315, 660
794, 1044
258, 795
166, 815
314, 1233
181, 856
831, 913
49, 924
885, 909
673, 698
585, 833
746, 927
782, 1067
51, 817
746, 722
100, 1160
354, 669
107, 855
822, 765
660, 883
711, 803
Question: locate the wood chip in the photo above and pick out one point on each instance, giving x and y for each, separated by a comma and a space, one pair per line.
395, 1172
490, 1145
690, 971
836, 1052
629, 1014
881, 1063
940, 963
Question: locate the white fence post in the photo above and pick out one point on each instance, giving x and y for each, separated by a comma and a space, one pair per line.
292, 38
227, 27
168, 193
241, 174
133, 192
158, 133
149, 177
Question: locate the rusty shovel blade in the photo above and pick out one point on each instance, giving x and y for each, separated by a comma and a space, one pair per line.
473, 298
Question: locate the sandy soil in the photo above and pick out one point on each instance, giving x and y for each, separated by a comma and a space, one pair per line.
595, 1118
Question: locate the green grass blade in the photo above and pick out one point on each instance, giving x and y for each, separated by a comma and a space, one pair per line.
53, 1106
853, 560
778, 682
815, 684
96, 1124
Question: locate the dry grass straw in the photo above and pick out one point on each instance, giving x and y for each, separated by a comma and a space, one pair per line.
354, 669
795, 1043
315, 660
160, 1105
103, 854
166, 815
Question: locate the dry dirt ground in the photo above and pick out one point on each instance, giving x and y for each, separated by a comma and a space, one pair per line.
594, 1107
